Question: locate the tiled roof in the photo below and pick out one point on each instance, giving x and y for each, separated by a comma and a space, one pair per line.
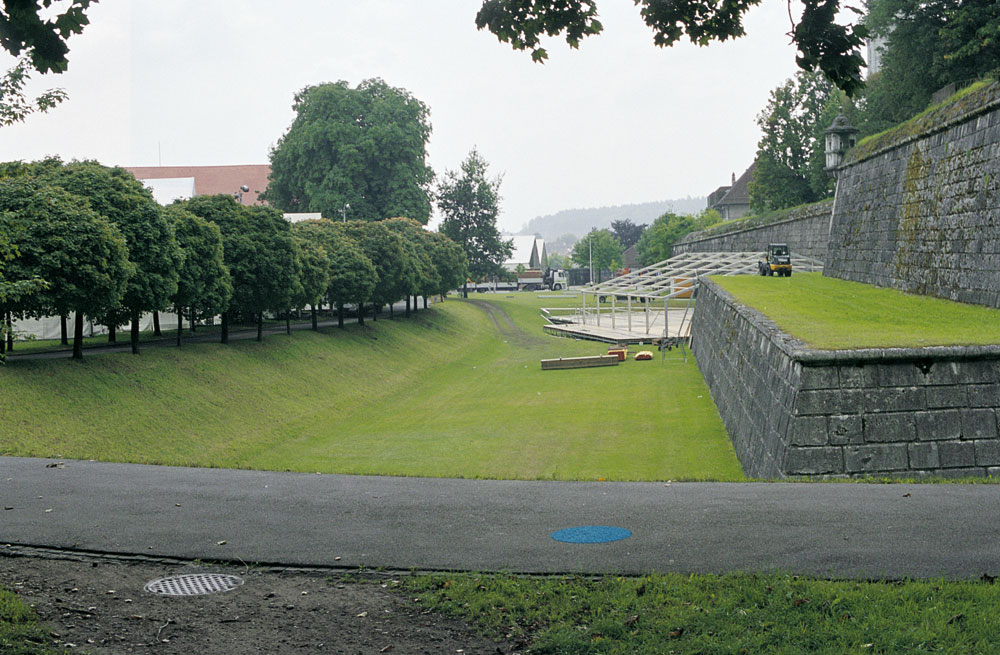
739, 193
210, 180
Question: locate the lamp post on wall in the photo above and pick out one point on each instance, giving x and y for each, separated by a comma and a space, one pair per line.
841, 136
238, 194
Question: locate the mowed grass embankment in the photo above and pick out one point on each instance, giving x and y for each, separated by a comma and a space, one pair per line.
455, 391
733, 614
832, 314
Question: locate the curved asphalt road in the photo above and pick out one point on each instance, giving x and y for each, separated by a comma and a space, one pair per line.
834, 530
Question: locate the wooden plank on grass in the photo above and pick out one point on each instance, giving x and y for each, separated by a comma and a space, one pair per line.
579, 362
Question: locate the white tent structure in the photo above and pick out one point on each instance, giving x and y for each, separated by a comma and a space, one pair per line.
654, 302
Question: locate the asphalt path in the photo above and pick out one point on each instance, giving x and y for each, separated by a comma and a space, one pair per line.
869, 531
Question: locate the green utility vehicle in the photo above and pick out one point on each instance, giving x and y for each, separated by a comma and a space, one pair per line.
778, 261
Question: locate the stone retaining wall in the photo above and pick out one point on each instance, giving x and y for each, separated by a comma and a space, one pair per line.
806, 230
793, 411
918, 208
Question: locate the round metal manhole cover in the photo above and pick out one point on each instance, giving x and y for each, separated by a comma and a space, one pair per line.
193, 584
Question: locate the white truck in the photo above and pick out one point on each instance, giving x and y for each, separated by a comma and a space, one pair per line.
535, 280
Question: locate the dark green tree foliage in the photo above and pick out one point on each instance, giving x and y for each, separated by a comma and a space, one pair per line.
351, 274
421, 275
258, 250
29, 26
790, 153
365, 147
14, 105
117, 195
450, 262
627, 232
78, 252
314, 273
600, 247
470, 204
386, 250
823, 43
929, 45
658, 239
204, 286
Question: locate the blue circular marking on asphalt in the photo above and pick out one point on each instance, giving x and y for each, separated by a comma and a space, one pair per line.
591, 534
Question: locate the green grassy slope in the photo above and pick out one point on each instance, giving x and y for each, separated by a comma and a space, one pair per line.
450, 392
834, 314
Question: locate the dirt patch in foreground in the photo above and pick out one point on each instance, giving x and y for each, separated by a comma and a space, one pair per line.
97, 605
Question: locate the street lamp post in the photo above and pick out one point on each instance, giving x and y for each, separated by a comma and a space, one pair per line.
238, 195
343, 212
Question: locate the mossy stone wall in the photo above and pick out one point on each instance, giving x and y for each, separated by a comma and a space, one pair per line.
919, 209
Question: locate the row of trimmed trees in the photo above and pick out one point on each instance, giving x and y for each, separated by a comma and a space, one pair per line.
85, 239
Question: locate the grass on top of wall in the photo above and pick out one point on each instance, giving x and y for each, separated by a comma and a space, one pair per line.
454, 391
831, 314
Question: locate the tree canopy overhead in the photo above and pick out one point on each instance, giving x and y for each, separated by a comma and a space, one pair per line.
365, 147
28, 26
823, 44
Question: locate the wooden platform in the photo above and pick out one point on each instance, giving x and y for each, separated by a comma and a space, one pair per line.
579, 362
620, 333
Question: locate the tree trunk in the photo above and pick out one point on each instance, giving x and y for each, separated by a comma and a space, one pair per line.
260, 326
180, 325
78, 336
63, 331
465, 290
375, 309
340, 315
425, 302
191, 320
156, 325
9, 319
225, 327
390, 311
3, 335
361, 313
315, 321
407, 305
135, 331
288, 322
112, 334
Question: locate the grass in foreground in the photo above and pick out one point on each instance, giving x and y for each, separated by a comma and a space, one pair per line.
737, 614
20, 633
446, 393
832, 314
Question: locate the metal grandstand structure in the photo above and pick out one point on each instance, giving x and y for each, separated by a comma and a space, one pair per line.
653, 303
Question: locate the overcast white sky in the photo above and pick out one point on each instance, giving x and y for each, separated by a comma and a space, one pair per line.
200, 82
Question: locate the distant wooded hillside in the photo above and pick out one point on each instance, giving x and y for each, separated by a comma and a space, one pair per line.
580, 221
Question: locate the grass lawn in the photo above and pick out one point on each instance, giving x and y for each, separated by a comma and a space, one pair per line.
831, 314
735, 614
20, 633
455, 391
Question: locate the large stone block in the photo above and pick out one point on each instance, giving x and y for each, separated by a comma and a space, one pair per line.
813, 461
923, 456
880, 428
845, 429
988, 452
955, 454
875, 458
938, 425
979, 424
895, 399
944, 397
807, 431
